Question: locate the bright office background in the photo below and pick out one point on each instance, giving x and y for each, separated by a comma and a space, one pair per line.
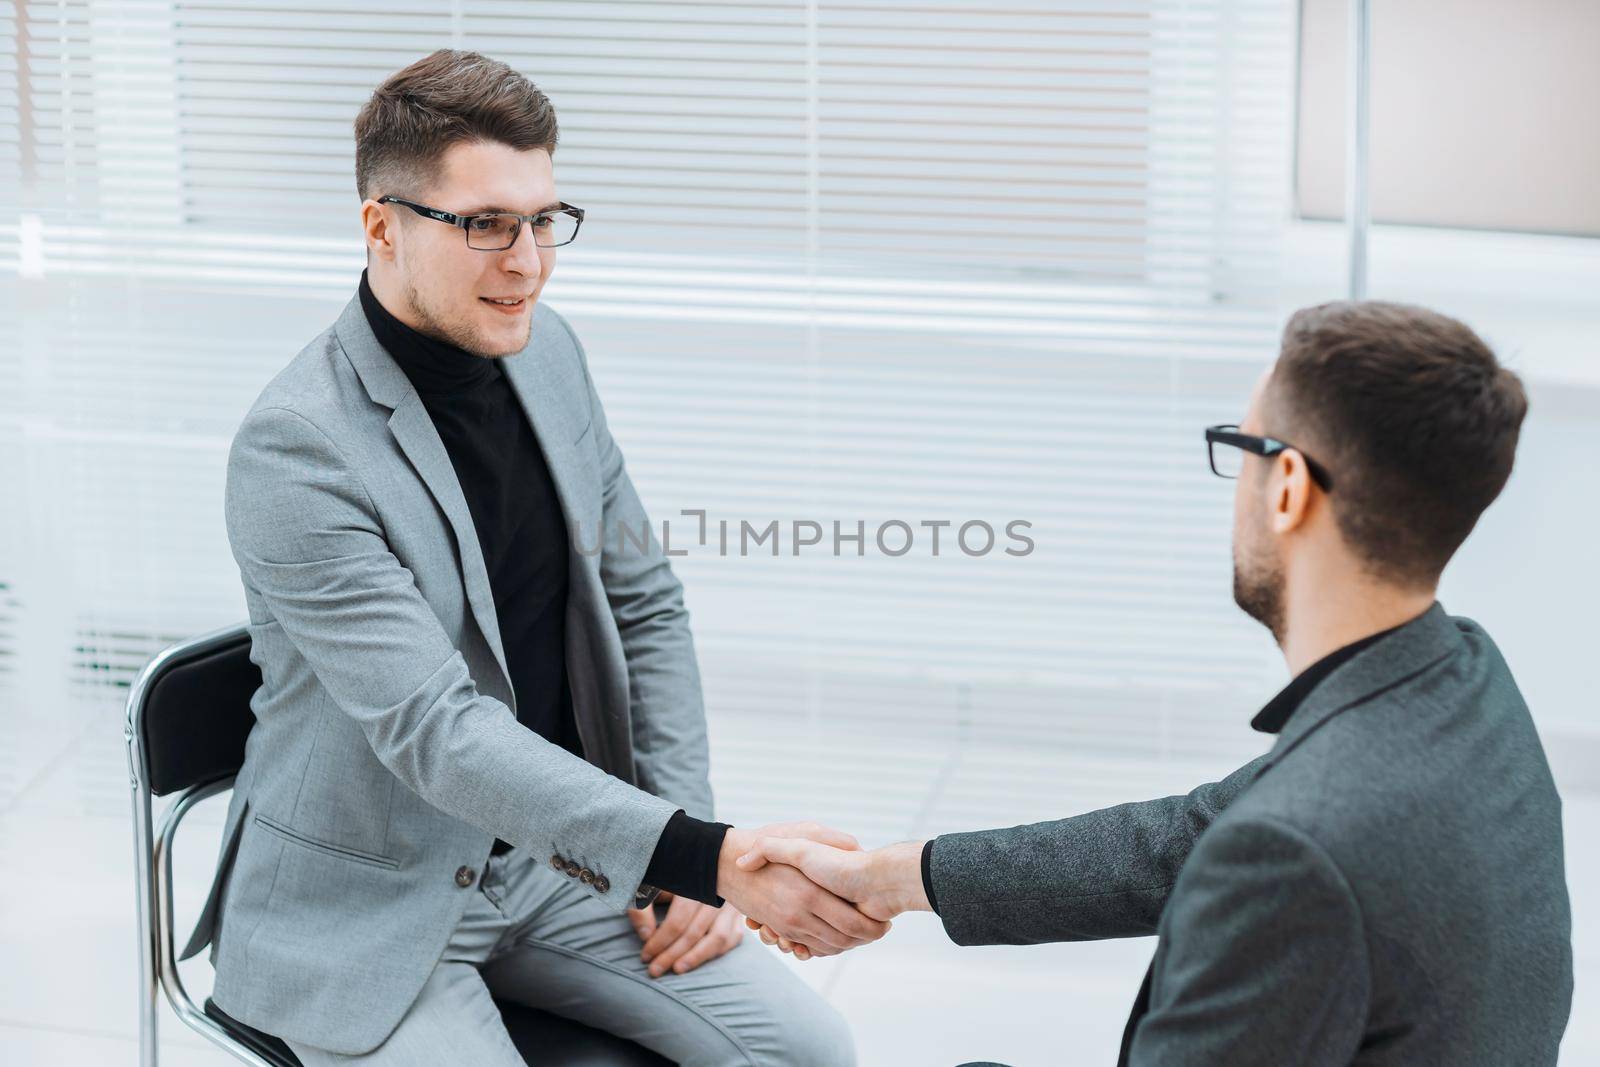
853, 261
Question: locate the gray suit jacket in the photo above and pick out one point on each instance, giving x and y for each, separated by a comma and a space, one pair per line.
1385, 886
387, 755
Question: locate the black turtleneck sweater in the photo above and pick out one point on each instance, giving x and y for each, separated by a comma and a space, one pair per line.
523, 536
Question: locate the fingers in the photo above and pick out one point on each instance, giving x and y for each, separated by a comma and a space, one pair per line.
679, 915
812, 926
799, 951
644, 922
724, 934
783, 944
810, 929
848, 922
694, 935
769, 936
827, 835
836, 926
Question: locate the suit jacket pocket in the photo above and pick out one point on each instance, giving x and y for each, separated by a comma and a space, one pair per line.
341, 851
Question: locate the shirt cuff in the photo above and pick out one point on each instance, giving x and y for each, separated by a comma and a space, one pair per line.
685, 860
927, 874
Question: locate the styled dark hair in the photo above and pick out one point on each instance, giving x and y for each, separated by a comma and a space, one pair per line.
451, 96
1415, 417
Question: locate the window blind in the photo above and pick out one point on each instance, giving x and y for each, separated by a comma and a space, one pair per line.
846, 262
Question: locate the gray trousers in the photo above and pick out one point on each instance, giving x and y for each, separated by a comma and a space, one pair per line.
528, 936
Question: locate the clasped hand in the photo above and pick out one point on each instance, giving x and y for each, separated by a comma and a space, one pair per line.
777, 898
881, 884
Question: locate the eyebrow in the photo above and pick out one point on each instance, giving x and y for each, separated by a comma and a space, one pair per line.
487, 208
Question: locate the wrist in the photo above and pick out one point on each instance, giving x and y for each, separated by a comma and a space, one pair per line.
735, 843
894, 874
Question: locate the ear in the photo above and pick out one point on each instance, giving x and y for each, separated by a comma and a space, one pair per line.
1291, 491
376, 229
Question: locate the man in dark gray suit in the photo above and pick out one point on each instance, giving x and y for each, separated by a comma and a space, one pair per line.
1386, 885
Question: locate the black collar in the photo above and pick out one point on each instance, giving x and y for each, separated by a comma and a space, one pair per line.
1271, 719
436, 368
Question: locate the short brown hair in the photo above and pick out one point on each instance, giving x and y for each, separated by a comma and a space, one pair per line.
445, 98
1416, 419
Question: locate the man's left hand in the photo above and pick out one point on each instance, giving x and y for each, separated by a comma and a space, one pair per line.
691, 934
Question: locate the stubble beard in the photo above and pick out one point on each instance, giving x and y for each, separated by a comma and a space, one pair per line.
1258, 585
463, 337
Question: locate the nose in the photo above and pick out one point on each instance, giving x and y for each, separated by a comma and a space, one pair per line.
523, 255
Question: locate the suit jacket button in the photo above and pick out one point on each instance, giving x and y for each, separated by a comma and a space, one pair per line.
586, 876
465, 876
557, 862
601, 883
572, 869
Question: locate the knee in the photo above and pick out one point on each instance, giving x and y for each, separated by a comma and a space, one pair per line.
814, 1036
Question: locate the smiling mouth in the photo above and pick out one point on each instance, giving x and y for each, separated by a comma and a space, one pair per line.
510, 309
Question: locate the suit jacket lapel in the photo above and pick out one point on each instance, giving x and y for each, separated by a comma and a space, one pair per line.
413, 429
533, 383
558, 421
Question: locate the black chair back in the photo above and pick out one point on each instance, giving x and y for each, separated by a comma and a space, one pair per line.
197, 715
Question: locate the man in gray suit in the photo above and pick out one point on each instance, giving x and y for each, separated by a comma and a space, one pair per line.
1386, 884
480, 750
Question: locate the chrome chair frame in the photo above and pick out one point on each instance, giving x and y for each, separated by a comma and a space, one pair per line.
158, 957
535, 1033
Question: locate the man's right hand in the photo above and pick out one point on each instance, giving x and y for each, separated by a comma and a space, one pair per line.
779, 897
882, 883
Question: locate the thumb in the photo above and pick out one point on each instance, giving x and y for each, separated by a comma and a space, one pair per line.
813, 831
826, 835
753, 860
790, 850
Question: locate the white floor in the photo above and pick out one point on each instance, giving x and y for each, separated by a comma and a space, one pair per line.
67, 989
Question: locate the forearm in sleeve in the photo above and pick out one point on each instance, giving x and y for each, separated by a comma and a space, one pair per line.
1103, 874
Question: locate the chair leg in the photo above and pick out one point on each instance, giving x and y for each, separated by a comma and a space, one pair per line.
144, 881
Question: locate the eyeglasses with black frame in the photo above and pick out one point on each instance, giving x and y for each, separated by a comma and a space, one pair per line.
496, 231
1227, 461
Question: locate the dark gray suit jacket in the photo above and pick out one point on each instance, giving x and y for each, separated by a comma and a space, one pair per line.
1385, 886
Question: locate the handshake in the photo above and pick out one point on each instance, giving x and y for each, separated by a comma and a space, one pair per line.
814, 891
